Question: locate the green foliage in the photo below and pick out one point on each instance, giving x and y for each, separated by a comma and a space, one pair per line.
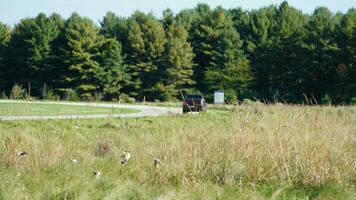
146, 39
81, 52
326, 100
31, 51
4, 40
275, 53
345, 87
113, 76
353, 101
51, 95
276, 59
177, 67
168, 18
222, 63
3, 95
68, 94
230, 96
320, 50
17, 92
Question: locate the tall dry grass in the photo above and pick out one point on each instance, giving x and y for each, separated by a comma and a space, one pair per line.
256, 151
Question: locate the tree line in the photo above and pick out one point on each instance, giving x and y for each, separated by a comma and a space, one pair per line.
275, 53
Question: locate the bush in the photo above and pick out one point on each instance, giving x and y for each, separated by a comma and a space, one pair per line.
127, 99
230, 96
353, 101
68, 94
52, 96
326, 100
17, 92
3, 95
247, 102
98, 96
48, 94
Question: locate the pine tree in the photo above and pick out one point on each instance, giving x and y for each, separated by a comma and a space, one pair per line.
274, 45
222, 64
272, 53
178, 60
345, 87
168, 18
4, 40
57, 62
241, 20
113, 26
319, 54
31, 49
109, 25
146, 40
81, 54
186, 18
114, 75
287, 45
276, 58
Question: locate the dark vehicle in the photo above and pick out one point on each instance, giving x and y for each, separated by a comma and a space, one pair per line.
194, 103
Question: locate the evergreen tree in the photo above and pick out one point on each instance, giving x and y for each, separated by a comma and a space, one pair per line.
167, 19
319, 54
113, 26
241, 20
185, 18
345, 87
109, 25
114, 75
4, 40
146, 40
57, 62
272, 53
276, 60
31, 51
274, 46
221, 62
81, 53
178, 60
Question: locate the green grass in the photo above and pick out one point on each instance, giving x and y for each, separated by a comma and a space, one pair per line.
18, 109
250, 152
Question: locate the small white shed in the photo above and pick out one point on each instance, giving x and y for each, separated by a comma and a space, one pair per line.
219, 97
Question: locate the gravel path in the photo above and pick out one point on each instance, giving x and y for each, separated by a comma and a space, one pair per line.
144, 111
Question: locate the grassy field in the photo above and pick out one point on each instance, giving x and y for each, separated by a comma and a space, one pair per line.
250, 152
53, 109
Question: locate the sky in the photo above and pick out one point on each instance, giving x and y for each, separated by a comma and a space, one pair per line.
12, 11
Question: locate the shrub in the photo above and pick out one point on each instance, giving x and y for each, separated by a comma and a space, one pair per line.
353, 101
17, 92
247, 102
68, 94
98, 96
3, 95
230, 96
127, 99
326, 100
52, 96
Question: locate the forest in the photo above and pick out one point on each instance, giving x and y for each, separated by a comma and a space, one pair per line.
273, 54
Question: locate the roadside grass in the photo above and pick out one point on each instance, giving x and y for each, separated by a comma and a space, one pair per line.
250, 152
22, 108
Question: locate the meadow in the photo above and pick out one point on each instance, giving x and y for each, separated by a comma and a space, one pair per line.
248, 152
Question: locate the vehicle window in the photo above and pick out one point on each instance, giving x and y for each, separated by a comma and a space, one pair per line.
195, 97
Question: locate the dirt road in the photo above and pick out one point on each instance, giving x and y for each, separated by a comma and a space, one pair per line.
144, 111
